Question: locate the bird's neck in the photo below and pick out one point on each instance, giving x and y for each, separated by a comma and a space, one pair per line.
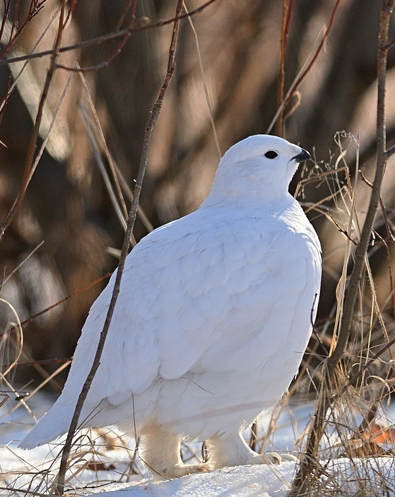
253, 200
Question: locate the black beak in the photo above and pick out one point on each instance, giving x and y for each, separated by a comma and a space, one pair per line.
302, 156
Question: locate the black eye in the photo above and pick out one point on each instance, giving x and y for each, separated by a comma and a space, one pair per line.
271, 154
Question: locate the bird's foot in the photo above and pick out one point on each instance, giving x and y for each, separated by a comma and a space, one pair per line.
181, 470
274, 458
233, 451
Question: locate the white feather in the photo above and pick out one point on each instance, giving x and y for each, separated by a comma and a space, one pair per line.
213, 316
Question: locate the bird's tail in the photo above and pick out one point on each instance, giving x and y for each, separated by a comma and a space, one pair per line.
52, 425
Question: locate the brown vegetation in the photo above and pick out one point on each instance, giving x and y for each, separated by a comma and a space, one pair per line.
98, 67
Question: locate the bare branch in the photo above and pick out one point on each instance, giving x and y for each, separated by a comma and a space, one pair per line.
305, 70
132, 217
362, 247
310, 469
390, 152
286, 22
34, 9
36, 128
109, 36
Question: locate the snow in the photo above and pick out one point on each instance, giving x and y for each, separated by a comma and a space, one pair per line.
35, 470
243, 481
204, 334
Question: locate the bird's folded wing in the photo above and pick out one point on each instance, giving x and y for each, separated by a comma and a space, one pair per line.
185, 288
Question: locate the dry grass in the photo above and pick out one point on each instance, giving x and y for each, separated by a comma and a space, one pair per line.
354, 427
353, 401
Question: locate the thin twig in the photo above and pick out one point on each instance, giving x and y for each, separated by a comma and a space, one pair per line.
206, 92
36, 128
48, 379
44, 143
116, 51
310, 469
108, 36
16, 76
34, 362
20, 340
4, 281
286, 22
390, 152
65, 299
34, 9
132, 217
100, 133
103, 172
54, 53
363, 244
305, 69
116, 175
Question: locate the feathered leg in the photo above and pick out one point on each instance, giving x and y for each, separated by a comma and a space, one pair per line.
160, 452
231, 450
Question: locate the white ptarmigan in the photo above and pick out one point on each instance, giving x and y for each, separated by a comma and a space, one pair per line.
212, 320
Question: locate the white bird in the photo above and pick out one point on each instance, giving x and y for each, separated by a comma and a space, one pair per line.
211, 323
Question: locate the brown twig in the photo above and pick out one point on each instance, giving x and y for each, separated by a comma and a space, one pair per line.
339, 228
119, 181
299, 80
310, 469
35, 133
303, 73
389, 266
7, 6
132, 217
108, 36
54, 53
55, 360
34, 8
360, 253
114, 54
390, 152
286, 22
65, 299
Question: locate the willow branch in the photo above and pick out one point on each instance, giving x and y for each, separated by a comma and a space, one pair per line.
27, 172
381, 161
109, 36
310, 470
132, 217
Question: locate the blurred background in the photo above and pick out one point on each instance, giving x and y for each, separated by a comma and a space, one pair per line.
227, 75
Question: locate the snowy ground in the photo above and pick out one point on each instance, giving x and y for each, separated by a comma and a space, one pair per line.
110, 473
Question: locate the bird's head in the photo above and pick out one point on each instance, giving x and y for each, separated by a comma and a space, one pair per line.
260, 165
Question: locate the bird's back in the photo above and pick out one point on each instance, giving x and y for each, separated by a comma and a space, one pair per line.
212, 319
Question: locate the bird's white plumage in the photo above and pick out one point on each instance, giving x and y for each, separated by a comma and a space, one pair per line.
213, 315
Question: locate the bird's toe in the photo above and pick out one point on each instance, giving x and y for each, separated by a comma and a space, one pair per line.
275, 458
184, 469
